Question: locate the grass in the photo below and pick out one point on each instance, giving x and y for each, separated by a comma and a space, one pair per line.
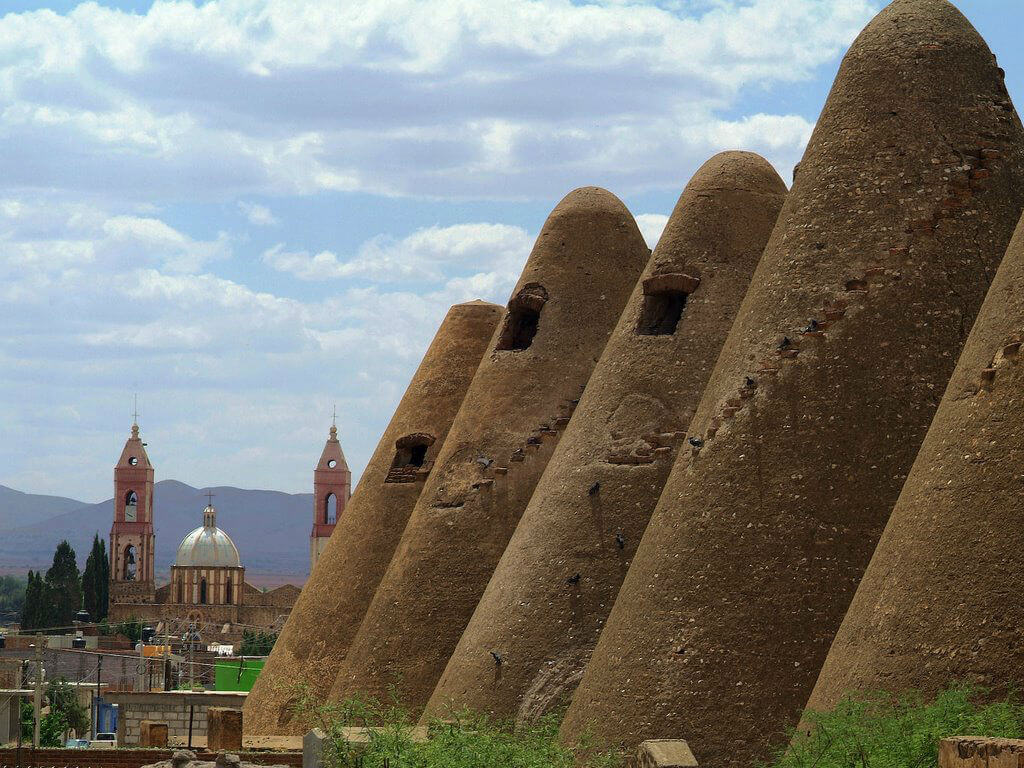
877, 730
881, 730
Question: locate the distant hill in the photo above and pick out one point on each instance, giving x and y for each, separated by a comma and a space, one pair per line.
270, 528
20, 509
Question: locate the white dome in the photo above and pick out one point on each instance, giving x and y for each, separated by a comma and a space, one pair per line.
208, 546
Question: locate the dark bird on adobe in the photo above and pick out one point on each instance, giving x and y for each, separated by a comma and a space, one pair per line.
749, 383
484, 462
497, 658
812, 326
785, 343
592, 491
574, 579
620, 540
696, 442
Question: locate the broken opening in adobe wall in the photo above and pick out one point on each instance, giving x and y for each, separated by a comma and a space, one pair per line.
410, 457
523, 318
665, 299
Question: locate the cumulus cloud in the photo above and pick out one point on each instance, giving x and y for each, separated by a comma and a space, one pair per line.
478, 98
258, 215
424, 255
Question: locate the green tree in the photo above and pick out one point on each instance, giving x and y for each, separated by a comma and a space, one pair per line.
258, 643
12, 593
63, 701
95, 580
63, 592
34, 610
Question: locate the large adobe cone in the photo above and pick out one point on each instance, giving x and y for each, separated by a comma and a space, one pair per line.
327, 614
573, 289
940, 602
590, 508
899, 215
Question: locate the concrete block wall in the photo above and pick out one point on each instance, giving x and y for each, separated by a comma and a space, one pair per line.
171, 707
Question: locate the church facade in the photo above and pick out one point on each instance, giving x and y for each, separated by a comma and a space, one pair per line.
207, 580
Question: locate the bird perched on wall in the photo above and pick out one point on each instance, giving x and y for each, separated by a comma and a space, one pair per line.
785, 343
484, 462
498, 660
574, 579
749, 383
812, 326
620, 540
696, 442
592, 491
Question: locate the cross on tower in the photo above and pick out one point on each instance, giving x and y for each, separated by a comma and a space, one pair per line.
135, 409
334, 416
209, 498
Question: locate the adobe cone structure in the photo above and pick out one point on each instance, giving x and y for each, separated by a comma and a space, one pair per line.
940, 602
901, 210
583, 267
327, 614
593, 502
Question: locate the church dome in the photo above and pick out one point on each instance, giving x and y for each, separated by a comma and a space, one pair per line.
208, 546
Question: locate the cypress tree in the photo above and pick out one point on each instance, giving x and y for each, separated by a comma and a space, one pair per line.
63, 590
31, 612
103, 585
95, 578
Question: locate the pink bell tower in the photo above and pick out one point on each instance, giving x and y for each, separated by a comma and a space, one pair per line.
132, 540
332, 486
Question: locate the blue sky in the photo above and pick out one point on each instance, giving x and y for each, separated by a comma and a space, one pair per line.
250, 210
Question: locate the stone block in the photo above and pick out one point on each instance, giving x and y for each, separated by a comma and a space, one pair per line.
152, 734
665, 753
980, 752
224, 729
313, 749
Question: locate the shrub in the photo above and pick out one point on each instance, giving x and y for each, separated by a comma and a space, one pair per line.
881, 730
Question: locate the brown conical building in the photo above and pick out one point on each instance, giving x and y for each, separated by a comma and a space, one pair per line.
573, 289
593, 502
326, 616
904, 203
940, 602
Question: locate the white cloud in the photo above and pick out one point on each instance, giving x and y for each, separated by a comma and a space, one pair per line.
422, 256
477, 98
651, 226
258, 215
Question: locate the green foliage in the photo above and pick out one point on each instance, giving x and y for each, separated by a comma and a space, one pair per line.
63, 701
257, 643
12, 593
96, 581
34, 612
63, 588
52, 728
27, 721
885, 731
130, 628
466, 741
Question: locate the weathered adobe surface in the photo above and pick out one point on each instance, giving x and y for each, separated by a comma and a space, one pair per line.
902, 208
940, 601
585, 261
591, 506
327, 614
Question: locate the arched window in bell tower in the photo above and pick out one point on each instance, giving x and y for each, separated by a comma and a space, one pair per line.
131, 563
202, 591
181, 590
227, 592
331, 509
131, 506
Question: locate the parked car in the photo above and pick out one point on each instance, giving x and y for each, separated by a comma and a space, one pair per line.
76, 744
104, 741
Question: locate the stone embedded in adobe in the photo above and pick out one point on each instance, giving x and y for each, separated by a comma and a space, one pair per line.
854, 319
940, 601
576, 282
327, 614
592, 504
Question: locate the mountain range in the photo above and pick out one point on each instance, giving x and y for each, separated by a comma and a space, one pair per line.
270, 528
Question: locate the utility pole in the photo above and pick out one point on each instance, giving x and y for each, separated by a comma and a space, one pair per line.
38, 696
99, 692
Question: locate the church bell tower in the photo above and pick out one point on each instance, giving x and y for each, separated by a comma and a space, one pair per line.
332, 486
132, 540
